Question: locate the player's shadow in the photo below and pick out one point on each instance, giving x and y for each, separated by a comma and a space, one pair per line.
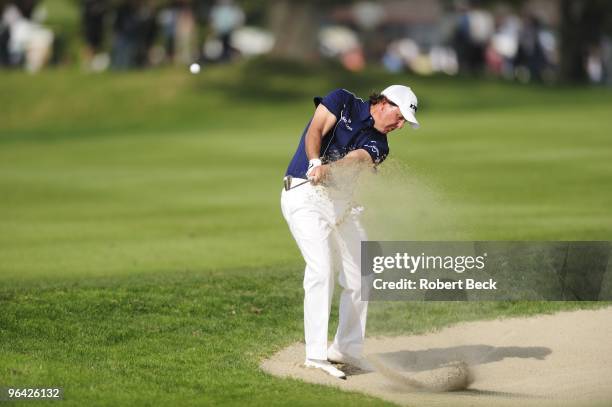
420, 360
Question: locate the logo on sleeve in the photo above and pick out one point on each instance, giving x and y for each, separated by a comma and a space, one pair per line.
373, 148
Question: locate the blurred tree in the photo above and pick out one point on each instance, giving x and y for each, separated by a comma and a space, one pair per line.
295, 26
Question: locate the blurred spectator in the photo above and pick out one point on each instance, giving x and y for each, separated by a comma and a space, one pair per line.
167, 21
421, 36
185, 35
503, 47
134, 31
594, 65
368, 16
250, 41
93, 16
178, 29
606, 55
26, 42
531, 60
125, 36
225, 17
407, 53
474, 28
599, 62
401, 53
4, 41
342, 43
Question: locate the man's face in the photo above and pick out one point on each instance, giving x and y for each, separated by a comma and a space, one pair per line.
387, 117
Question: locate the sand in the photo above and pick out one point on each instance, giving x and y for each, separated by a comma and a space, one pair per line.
563, 359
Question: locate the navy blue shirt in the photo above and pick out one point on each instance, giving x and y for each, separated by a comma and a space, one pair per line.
353, 130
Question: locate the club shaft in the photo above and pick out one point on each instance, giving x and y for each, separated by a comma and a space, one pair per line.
300, 184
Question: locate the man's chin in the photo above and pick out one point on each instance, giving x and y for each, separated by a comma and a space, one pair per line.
385, 130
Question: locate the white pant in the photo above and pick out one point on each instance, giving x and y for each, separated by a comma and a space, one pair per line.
327, 231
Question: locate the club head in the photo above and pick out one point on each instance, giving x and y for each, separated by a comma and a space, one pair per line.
287, 182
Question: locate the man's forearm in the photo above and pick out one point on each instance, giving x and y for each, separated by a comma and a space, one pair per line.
313, 143
355, 160
356, 157
321, 123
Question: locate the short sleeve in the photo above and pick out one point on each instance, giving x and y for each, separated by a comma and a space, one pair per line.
334, 101
378, 150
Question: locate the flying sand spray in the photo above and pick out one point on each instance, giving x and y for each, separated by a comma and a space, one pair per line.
403, 206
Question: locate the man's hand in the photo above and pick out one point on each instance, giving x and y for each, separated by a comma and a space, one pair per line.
312, 164
318, 174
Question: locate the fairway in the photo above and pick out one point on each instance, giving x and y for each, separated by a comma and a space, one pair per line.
143, 255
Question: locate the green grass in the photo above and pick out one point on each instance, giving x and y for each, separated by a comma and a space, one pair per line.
143, 256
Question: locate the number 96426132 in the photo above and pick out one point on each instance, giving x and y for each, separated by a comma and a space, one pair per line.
13, 393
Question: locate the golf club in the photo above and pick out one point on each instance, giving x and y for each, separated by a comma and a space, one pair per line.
288, 180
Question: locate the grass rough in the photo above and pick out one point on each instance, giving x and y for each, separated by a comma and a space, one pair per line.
143, 256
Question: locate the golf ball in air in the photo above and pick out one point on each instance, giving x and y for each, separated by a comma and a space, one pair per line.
194, 68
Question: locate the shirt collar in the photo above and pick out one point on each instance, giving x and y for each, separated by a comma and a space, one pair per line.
367, 118
365, 115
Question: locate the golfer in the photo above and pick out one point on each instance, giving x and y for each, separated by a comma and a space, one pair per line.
345, 132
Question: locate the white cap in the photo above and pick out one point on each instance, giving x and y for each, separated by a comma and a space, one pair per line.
406, 100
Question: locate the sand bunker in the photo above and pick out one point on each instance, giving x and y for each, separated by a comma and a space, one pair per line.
562, 359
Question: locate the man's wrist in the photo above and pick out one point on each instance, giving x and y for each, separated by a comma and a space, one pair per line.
315, 162
312, 164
